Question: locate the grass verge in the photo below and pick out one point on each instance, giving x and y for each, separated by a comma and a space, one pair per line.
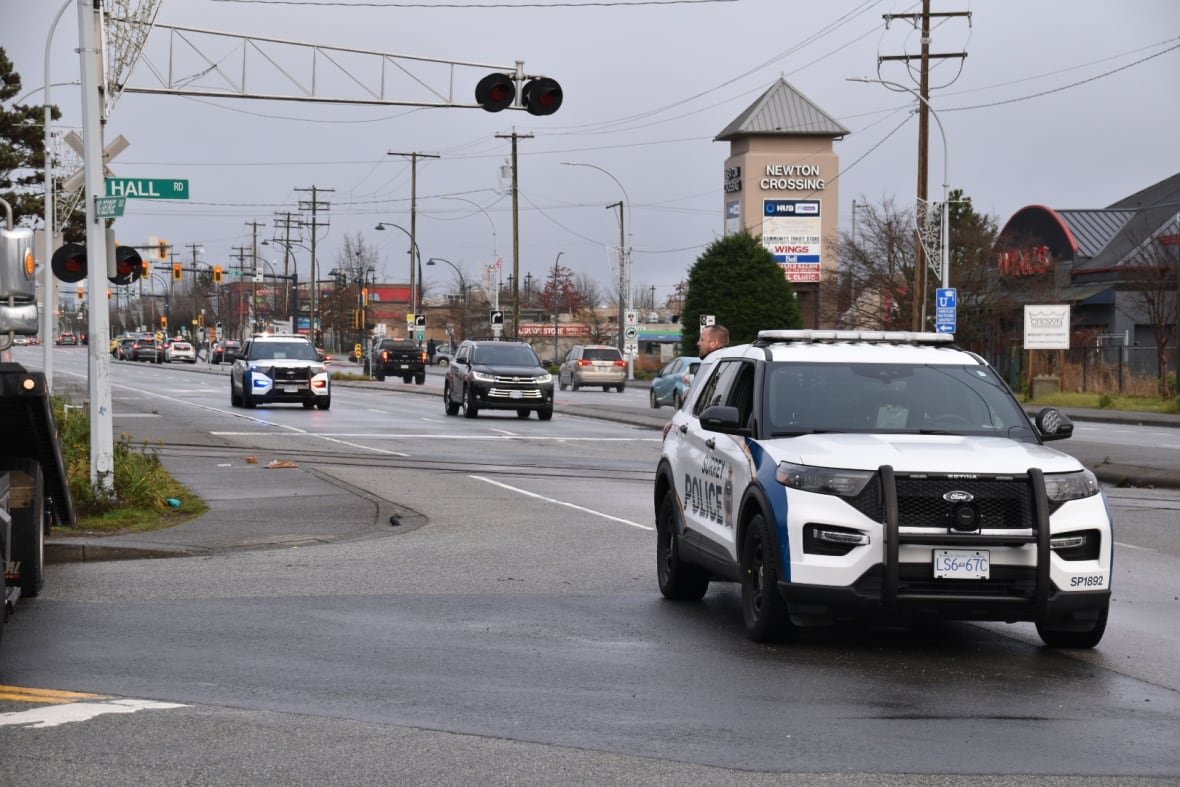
1140, 404
145, 497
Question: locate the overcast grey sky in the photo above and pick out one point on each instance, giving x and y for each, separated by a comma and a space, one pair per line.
1068, 103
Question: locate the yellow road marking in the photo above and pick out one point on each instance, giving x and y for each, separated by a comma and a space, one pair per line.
46, 696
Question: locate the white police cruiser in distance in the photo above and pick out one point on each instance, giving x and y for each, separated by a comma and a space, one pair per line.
277, 368
886, 476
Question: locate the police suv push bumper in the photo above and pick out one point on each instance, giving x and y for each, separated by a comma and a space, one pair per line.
1020, 576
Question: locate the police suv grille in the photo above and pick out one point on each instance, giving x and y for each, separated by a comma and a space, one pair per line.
1001, 502
510, 379
292, 374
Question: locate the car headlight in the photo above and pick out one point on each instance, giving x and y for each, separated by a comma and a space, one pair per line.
823, 480
1070, 486
541, 379
482, 377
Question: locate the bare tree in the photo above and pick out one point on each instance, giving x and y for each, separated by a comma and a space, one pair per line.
590, 292
876, 268
1152, 271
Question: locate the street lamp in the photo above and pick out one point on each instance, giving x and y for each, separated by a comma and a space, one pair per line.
624, 257
459, 273
415, 255
944, 230
47, 280
555, 306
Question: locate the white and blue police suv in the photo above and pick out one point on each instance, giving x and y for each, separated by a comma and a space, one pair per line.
881, 476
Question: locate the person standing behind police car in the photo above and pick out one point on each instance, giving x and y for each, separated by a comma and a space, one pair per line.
713, 337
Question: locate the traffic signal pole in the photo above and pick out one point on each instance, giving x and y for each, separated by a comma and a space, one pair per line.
102, 442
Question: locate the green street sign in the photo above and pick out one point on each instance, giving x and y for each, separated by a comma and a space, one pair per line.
147, 188
109, 207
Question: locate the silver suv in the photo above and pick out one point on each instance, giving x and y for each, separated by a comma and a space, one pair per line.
593, 364
883, 476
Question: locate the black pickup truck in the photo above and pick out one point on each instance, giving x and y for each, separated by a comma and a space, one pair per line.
397, 358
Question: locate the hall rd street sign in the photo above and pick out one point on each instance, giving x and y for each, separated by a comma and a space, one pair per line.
145, 188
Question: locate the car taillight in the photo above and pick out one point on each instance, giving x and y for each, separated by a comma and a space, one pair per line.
620, 363
584, 362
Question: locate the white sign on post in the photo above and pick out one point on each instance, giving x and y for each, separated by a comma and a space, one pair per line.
1046, 327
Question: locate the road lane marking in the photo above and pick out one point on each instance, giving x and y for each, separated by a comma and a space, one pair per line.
22, 694
56, 715
574, 506
429, 436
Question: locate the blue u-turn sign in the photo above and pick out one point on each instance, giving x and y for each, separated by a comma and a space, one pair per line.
946, 304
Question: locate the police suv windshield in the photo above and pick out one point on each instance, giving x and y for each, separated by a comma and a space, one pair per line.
827, 397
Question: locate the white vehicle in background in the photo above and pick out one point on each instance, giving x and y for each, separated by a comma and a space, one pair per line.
879, 476
179, 350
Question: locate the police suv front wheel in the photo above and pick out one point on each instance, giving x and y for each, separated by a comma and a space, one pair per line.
1075, 635
679, 581
763, 608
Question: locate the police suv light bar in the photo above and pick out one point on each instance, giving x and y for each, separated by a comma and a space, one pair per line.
894, 337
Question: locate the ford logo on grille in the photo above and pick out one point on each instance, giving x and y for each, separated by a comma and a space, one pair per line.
958, 496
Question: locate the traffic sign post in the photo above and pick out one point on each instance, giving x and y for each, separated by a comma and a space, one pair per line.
946, 309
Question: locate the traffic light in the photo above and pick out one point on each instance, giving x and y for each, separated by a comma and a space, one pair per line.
129, 266
69, 264
17, 265
365, 295
81, 293
495, 92
163, 249
541, 96
147, 269
163, 321
177, 271
200, 321
217, 274
356, 318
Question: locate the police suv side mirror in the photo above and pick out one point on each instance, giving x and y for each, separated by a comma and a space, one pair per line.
724, 419
1053, 424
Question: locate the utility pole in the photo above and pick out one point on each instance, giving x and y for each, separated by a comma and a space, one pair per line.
622, 270
516, 236
918, 312
314, 206
287, 221
254, 225
415, 285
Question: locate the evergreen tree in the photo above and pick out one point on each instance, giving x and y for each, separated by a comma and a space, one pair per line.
22, 148
737, 281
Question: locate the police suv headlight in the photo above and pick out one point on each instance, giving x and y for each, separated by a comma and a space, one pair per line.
542, 379
823, 480
1061, 487
482, 377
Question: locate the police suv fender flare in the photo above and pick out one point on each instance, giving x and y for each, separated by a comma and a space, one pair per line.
666, 482
754, 501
